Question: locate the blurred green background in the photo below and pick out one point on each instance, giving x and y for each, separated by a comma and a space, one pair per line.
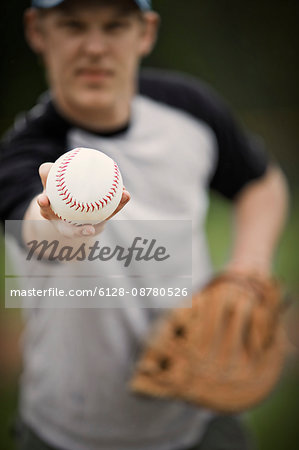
248, 51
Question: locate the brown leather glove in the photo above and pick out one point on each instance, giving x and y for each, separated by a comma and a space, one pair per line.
225, 353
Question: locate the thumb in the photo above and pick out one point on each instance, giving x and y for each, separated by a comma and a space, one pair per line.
44, 170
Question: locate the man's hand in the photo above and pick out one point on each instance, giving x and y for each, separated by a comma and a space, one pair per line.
53, 227
64, 228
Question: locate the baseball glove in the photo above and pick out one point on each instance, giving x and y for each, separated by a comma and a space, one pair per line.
225, 353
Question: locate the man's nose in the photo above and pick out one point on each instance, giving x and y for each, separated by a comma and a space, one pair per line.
95, 43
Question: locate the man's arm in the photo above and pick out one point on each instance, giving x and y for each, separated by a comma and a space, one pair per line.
260, 214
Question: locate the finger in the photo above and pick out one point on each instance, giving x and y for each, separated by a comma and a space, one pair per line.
44, 171
230, 348
124, 200
65, 229
87, 230
43, 201
217, 315
261, 330
69, 230
45, 208
210, 311
99, 227
126, 196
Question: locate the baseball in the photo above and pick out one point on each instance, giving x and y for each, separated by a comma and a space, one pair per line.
84, 186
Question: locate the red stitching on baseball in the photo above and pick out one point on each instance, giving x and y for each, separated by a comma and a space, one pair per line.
60, 183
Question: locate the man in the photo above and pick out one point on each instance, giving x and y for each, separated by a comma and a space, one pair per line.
175, 132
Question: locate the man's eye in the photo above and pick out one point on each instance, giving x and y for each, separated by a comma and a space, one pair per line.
114, 26
73, 25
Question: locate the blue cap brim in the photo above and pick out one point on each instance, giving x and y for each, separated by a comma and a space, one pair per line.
143, 4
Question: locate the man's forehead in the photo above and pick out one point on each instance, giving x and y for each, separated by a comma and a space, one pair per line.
79, 9
44, 4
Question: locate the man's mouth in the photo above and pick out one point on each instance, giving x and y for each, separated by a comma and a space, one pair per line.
94, 75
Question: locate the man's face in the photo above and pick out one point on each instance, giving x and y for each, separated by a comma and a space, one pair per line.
91, 53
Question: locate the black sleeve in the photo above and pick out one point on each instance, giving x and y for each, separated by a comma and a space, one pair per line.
36, 138
241, 157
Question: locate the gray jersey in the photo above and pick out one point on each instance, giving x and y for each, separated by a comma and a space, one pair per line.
77, 363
